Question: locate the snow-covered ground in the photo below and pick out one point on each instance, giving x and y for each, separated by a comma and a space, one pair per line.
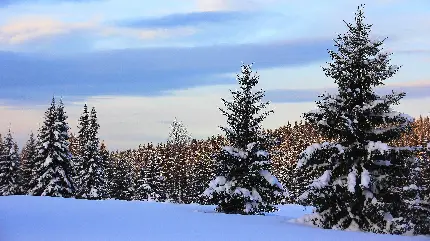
27, 218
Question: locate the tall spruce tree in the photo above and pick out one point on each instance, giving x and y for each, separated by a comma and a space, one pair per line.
28, 163
244, 184
354, 181
53, 171
91, 174
9, 167
80, 143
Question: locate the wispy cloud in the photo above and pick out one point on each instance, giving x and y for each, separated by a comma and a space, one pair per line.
189, 19
223, 5
33, 27
27, 28
413, 91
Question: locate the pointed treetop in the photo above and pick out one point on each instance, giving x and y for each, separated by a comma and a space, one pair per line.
178, 133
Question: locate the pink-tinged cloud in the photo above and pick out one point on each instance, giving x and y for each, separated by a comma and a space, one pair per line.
27, 28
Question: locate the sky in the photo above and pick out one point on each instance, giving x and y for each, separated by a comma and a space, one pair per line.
142, 63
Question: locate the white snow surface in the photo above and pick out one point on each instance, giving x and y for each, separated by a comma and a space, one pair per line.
49, 219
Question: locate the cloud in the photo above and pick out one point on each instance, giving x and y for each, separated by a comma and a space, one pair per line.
188, 19
213, 5
26, 28
32, 27
223, 5
414, 90
144, 71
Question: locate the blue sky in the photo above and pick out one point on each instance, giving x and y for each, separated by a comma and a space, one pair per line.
154, 60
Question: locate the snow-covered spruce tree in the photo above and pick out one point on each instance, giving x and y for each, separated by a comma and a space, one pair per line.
178, 133
200, 171
123, 181
353, 182
53, 171
81, 142
63, 140
28, 163
243, 183
420, 180
177, 142
91, 174
149, 185
143, 187
9, 169
106, 162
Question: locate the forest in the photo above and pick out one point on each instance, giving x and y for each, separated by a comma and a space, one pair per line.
355, 159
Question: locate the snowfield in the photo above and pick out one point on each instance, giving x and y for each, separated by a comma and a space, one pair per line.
29, 218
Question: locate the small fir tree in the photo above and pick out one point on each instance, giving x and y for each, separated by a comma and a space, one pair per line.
9, 167
179, 134
106, 163
243, 183
122, 182
143, 185
28, 164
150, 184
419, 184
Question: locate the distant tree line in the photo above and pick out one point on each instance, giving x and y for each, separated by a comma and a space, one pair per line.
361, 164
193, 160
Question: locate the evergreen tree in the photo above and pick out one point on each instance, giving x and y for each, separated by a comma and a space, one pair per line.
91, 170
179, 139
157, 176
199, 170
80, 146
420, 181
9, 169
353, 182
28, 164
53, 172
105, 161
143, 187
179, 134
74, 145
150, 184
122, 182
244, 184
